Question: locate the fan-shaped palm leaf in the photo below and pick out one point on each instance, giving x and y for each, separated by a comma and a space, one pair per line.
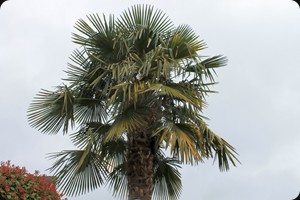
51, 111
72, 181
167, 178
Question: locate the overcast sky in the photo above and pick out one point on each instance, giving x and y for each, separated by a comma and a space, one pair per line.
257, 108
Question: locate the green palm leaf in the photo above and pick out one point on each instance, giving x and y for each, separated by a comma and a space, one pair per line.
180, 139
144, 26
167, 178
128, 121
74, 180
177, 92
117, 181
51, 111
206, 68
184, 43
224, 152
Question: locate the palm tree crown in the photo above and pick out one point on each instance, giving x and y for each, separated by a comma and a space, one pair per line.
136, 90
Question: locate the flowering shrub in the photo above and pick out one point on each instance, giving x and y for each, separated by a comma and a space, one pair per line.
17, 184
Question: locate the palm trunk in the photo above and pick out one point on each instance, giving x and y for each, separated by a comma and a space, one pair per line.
140, 167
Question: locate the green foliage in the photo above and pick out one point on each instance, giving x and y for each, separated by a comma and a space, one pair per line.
136, 72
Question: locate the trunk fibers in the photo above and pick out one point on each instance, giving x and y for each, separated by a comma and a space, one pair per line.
140, 168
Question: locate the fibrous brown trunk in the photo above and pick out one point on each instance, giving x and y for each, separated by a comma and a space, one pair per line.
140, 166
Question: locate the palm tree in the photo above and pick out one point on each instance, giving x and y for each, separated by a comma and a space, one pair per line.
136, 91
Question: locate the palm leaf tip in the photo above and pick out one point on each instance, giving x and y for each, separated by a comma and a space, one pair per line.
226, 155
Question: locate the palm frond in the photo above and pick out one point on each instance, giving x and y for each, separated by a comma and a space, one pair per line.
76, 72
179, 138
184, 43
144, 26
114, 151
100, 39
51, 111
206, 68
224, 152
117, 181
82, 137
72, 181
167, 178
90, 110
92, 137
178, 92
127, 121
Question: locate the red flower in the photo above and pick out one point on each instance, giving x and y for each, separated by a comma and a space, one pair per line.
2, 180
21, 189
23, 196
19, 184
6, 189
